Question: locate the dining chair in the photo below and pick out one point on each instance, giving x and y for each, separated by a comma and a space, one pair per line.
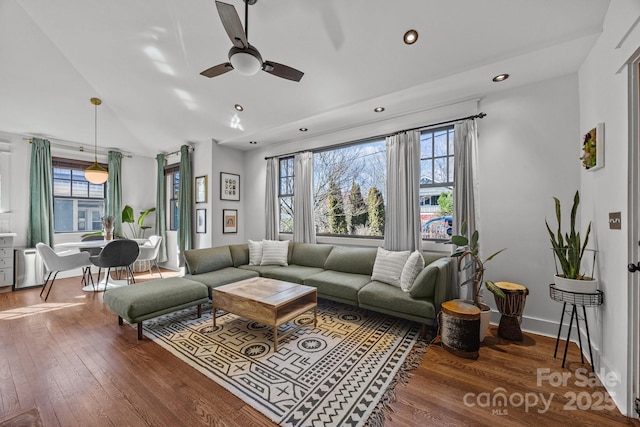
91, 252
117, 253
149, 252
55, 263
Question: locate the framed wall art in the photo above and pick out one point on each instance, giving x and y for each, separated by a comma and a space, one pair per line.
201, 221
593, 149
229, 220
229, 186
201, 189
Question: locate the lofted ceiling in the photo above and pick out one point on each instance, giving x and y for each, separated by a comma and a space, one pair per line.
143, 59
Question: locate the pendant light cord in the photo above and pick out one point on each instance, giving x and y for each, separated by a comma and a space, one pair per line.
95, 137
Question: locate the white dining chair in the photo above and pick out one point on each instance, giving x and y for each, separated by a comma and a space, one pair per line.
149, 252
56, 263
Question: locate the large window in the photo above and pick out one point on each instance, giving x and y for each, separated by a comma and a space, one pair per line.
172, 174
78, 205
436, 183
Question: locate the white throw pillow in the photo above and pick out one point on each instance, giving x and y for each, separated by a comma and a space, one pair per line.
274, 252
255, 252
388, 266
413, 266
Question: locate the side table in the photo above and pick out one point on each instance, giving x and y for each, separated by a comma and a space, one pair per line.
575, 299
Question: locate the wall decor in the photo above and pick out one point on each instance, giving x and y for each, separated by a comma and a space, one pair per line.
229, 186
593, 148
201, 189
201, 221
229, 220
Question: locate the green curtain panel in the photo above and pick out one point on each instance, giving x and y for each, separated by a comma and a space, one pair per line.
161, 209
114, 190
185, 200
40, 227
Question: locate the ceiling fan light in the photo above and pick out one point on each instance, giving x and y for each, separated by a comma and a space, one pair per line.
96, 174
245, 63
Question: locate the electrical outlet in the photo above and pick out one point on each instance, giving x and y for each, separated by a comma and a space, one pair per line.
615, 220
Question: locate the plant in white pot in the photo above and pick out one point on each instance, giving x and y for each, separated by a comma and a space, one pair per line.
470, 249
569, 250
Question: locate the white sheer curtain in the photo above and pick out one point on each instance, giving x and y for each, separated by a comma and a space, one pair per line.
402, 217
271, 200
465, 195
303, 222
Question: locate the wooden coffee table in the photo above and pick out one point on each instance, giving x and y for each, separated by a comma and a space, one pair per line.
268, 301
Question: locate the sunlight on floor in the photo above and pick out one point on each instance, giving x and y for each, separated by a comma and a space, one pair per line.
17, 313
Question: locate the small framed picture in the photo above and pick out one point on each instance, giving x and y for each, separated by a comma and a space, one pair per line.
229, 186
229, 220
201, 189
201, 221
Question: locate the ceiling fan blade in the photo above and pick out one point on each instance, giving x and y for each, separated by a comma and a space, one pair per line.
283, 71
233, 26
217, 70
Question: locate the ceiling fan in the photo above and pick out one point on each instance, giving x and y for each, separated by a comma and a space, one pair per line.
243, 57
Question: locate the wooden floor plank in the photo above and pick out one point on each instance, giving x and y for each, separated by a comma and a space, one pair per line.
71, 360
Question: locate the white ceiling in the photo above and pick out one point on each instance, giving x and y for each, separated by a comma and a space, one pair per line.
143, 59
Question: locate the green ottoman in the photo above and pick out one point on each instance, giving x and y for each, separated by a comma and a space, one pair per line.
142, 301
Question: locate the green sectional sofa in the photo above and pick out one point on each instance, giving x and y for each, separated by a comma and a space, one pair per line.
340, 273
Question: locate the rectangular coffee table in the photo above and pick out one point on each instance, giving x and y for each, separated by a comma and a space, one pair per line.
268, 301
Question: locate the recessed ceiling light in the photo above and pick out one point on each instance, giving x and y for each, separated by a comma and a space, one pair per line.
500, 77
253, 142
378, 109
303, 129
238, 107
410, 37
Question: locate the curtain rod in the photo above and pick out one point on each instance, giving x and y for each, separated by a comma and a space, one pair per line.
73, 147
423, 127
174, 153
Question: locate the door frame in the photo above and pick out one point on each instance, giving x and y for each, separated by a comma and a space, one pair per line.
633, 356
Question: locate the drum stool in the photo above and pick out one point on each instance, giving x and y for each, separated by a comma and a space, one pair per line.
511, 307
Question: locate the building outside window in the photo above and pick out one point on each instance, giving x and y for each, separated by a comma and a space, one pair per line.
78, 205
436, 183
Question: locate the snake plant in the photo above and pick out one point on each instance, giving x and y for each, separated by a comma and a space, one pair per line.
569, 248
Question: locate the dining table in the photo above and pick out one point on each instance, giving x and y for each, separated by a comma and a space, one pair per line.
105, 282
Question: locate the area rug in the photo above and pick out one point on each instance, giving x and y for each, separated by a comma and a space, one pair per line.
340, 373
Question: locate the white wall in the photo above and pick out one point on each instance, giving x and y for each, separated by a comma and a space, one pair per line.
604, 98
528, 146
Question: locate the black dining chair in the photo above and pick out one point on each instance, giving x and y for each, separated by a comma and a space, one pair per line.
117, 253
91, 251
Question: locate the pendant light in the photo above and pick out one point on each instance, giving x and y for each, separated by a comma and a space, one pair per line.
95, 173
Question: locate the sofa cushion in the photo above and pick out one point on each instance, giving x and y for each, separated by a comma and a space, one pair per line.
388, 266
260, 269
411, 269
337, 284
391, 299
255, 252
239, 254
210, 259
292, 273
425, 284
275, 252
351, 260
310, 255
223, 276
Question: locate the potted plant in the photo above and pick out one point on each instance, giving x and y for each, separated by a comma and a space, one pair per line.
470, 249
136, 227
569, 250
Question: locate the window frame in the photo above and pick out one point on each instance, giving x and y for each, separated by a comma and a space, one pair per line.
282, 195
171, 172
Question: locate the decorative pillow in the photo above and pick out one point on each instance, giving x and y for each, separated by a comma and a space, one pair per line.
255, 252
388, 266
274, 252
412, 268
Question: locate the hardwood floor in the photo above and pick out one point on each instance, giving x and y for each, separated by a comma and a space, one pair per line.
69, 358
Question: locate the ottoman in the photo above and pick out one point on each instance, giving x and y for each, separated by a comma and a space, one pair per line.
142, 301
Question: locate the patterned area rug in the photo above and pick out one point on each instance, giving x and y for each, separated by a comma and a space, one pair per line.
341, 372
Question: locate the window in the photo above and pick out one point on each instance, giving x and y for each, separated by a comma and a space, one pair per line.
172, 174
285, 194
78, 205
436, 183
349, 185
